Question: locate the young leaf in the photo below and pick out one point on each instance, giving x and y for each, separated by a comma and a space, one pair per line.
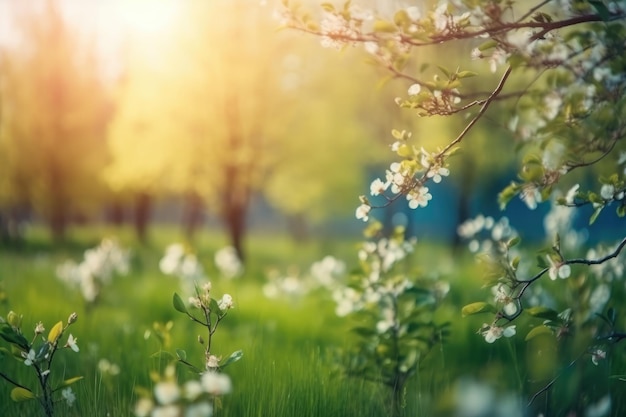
55, 333
234, 357
179, 305
11, 336
476, 308
543, 312
537, 331
19, 394
595, 215
68, 382
181, 355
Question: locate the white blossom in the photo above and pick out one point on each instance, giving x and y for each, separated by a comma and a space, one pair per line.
362, 212
491, 333
414, 89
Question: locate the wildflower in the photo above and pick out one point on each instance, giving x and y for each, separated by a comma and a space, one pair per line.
68, 396
558, 269
39, 329
414, 89
192, 390
362, 212
166, 392
226, 302
491, 333
212, 362
170, 410
29, 358
71, 343
216, 383
597, 355
143, 407
228, 262
201, 409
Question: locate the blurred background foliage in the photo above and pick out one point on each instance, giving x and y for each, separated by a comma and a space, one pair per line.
203, 113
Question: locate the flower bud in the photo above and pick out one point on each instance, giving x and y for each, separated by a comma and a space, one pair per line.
14, 319
72, 318
200, 340
39, 329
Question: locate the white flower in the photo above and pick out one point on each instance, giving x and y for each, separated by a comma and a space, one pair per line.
531, 196
498, 57
215, 383
607, 191
552, 104
414, 13
228, 262
419, 198
491, 333
414, 89
68, 396
571, 194
437, 172
29, 358
476, 54
212, 362
558, 269
143, 407
597, 355
502, 295
170, 410
378, 187
226, 302
166, 392
71, 343
371, 47
192, 389
201, 409
362, 212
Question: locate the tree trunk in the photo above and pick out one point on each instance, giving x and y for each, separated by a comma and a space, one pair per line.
143, 207
235, 221
193, 215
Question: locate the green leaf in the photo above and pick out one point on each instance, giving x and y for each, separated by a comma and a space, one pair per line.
487, 45
234, 357
181, 355
179, 305
466, 74
19, 394
476, 308
513, 242
543, 312
328, 7
621, 210
595, 215
11, 336
602, 10
538, 331
401, 18
68, 382
162, 354
444, 70
384, 26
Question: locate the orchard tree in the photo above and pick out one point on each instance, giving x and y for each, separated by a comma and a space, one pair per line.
553, 73
53, 119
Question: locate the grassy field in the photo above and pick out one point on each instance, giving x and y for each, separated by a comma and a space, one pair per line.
289, 366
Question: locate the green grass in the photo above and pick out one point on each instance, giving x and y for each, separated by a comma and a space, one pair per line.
288, 368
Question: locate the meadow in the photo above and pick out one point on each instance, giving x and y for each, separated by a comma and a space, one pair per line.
290, 344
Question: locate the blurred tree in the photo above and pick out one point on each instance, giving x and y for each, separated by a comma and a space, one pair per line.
54, 114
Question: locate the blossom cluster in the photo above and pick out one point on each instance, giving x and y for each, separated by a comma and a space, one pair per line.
228, 263
407, 177
97, 268
184, 265
38, 355
193, 398
329, 272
